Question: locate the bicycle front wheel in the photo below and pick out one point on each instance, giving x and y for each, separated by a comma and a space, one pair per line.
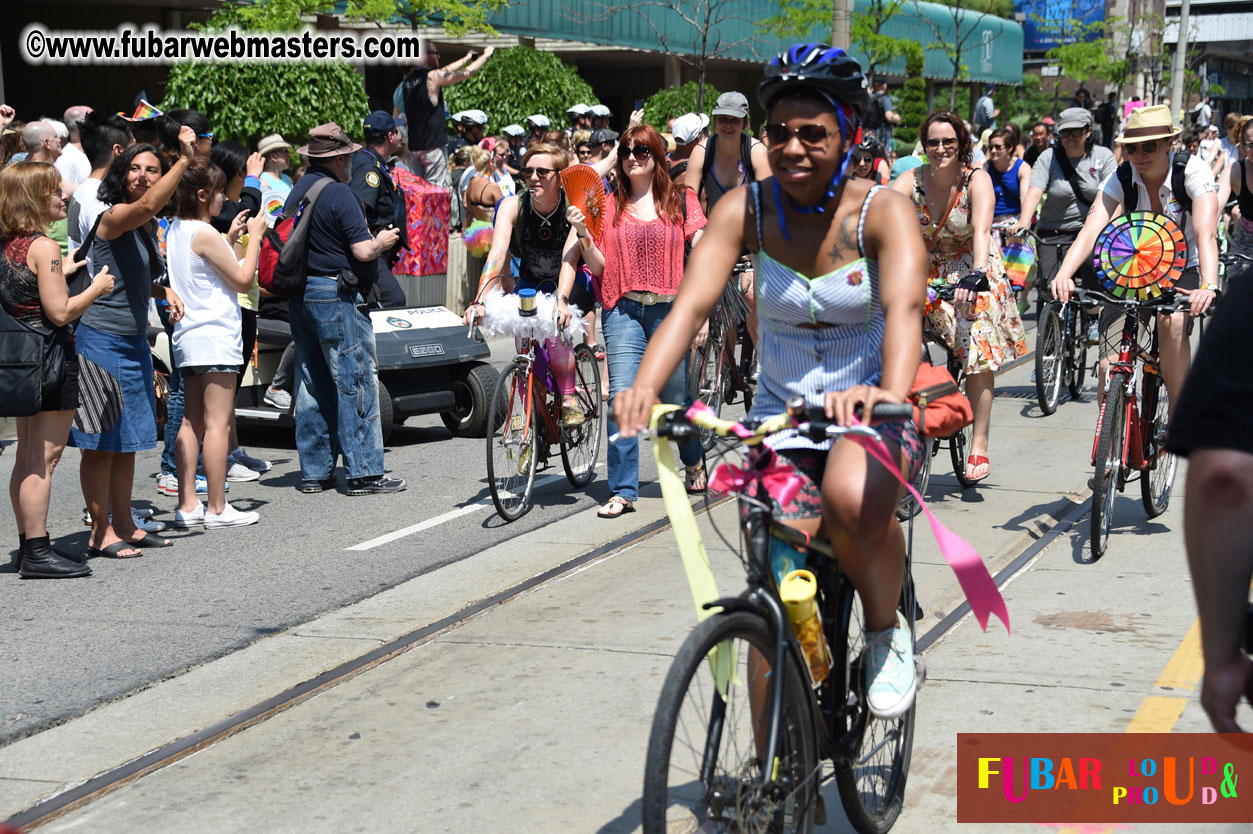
704, 770
1077, 353
1049, 360
1109, 458
581, 444
708, 376
511, 446
1159, 477
872, 763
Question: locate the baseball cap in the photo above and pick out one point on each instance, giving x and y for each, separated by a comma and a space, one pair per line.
474, 117
1073, 117
273, 142
688, 127
578, 109
1048, 120
513, 130
732, 104
600, 110
379, 122
538, 120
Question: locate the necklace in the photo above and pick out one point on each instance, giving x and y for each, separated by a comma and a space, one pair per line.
545, 220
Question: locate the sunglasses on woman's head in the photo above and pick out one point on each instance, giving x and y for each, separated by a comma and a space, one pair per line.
539, 172
1147, 147
640, 152
813, 135
947, 141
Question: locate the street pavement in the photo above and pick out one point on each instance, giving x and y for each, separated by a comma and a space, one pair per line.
533, 714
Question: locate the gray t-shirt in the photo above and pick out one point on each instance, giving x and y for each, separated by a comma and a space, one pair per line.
124, 311
1061, 211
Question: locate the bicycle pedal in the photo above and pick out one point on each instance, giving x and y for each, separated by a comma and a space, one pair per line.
820, 810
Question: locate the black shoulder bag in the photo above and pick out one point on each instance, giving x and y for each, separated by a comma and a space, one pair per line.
1068, 169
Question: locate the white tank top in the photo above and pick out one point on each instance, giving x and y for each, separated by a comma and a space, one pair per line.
210, 331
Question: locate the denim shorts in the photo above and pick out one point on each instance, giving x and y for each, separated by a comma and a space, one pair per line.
201, 370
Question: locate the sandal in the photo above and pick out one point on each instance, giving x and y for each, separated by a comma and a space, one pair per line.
114, 551
617, 506
150, 540
978, 460
697, 483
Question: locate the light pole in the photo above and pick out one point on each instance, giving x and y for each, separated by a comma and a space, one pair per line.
841, 14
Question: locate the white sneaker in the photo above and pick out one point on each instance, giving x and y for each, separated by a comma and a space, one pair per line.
230, 517
890, 676
255, 464
278, 398
167, 483
192, 518
239, 472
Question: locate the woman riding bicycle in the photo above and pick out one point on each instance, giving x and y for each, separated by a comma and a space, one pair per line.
533, 227
841, 301
1081, 164
1146, 141
981, 325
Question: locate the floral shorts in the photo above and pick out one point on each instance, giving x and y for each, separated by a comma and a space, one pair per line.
810, 464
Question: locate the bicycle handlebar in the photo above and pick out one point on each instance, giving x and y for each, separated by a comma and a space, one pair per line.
1170, 302
1233, 258
811, 422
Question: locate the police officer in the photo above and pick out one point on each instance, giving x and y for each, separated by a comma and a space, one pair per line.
383, 200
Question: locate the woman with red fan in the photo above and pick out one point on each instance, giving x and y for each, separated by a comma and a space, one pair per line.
534, 228
640, 261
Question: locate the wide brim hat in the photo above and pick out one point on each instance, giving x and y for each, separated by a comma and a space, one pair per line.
1147, 123
271, 143
328, 140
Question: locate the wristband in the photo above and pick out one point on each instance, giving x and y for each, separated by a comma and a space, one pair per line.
252, 182
1210, 287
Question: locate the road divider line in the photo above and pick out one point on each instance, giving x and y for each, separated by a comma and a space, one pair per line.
1160, 713
1157, 714
441, 519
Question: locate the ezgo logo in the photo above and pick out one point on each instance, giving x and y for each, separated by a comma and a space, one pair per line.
1103, 777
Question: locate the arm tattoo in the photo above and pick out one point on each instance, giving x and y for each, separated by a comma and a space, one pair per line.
846, 239
56, 266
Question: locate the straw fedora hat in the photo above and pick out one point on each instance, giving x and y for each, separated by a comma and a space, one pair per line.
1148, 123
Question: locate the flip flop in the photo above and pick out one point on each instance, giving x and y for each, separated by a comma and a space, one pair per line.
616, 507
114, 551
149, 540
693, 474
979, 460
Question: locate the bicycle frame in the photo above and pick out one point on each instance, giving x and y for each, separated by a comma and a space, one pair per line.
1133, 364
535, 360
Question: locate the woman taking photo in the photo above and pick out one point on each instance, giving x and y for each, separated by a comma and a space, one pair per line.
640, 264
33, 290
981, 325
117, 415
841, 301
207, 344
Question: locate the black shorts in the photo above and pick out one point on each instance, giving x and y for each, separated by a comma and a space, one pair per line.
1215, 410
1112, 318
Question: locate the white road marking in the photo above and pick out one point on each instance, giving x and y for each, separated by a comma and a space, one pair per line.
441, 519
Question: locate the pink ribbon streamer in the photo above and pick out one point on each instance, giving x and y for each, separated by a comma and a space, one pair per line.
976, 583
779, 479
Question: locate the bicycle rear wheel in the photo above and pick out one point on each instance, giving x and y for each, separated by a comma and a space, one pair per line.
1109, 458
511, 449
1077, 354
1157, 480
709, 377
703, 762
1049, 360
581, 444
872, 761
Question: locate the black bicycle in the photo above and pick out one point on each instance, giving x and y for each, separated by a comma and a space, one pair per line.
958, 444
741, 730
1061, 336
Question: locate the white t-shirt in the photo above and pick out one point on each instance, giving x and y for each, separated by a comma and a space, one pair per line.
274, 193
82, 211
73, 164
1198, 179
210, 331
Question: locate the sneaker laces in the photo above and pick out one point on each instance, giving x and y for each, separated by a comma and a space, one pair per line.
879, 648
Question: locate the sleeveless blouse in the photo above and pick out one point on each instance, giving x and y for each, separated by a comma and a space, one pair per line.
19, 287
810, 361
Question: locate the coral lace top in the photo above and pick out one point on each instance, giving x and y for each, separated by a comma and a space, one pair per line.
645, 256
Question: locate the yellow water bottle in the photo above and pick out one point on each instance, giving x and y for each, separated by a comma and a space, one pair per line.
797, 590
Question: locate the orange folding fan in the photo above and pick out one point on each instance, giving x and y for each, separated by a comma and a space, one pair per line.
586, 191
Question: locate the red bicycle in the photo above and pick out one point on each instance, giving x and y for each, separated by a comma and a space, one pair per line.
1130, 439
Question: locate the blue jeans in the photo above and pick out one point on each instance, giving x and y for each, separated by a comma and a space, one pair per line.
337, 397
627, 328
173, 400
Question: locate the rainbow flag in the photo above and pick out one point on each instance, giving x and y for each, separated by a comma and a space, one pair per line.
143, 112
1019, 258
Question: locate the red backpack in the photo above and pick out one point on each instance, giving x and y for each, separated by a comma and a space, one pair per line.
284, 257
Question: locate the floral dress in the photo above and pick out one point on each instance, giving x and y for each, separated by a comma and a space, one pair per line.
984, 334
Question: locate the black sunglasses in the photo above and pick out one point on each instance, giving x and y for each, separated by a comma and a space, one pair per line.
1147, 147
947, 141
640, 152
812, 135
539, 172
1072, 132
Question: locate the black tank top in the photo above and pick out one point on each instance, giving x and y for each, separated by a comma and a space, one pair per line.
426, 120
1245, 198
538, 242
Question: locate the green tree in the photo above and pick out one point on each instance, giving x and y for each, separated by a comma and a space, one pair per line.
672, 102
550, 87
912, 107
797, 19
966, 17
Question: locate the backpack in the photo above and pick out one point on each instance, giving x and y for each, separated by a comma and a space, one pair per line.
1131, 194
746, 159
874, 113
1194, 115
282, 264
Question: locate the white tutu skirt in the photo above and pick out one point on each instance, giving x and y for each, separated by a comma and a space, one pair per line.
501, 317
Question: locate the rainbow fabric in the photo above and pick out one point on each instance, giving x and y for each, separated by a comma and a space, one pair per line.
478, 238
1019, 258
143, 112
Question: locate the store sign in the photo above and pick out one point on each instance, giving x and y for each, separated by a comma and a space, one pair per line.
1050, 23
